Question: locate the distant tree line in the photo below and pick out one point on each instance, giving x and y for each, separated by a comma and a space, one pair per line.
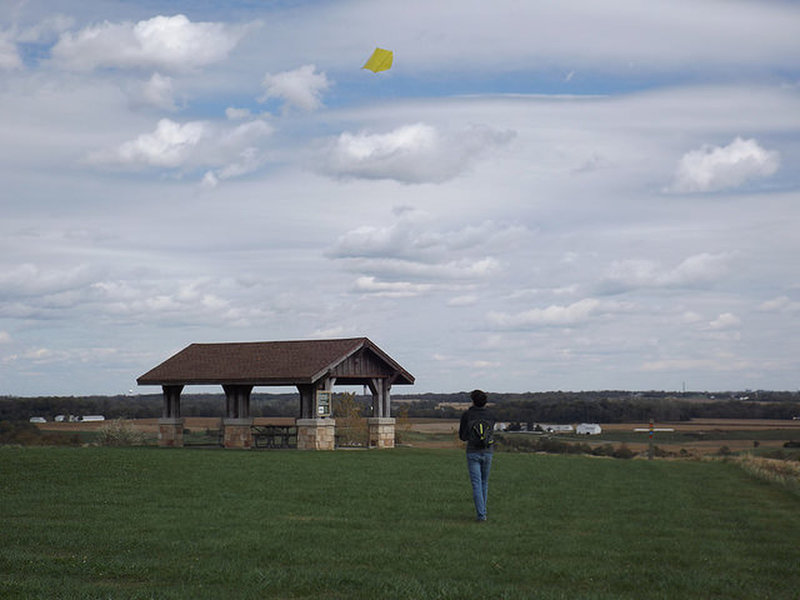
139, 407
535, 407
617, 406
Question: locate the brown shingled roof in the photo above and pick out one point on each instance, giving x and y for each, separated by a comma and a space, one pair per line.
269, 363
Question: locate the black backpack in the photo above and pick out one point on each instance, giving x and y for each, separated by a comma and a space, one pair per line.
480, 433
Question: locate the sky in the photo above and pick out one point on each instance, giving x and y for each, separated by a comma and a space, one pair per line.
537, 196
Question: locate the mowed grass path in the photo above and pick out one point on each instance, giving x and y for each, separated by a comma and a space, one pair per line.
191, 523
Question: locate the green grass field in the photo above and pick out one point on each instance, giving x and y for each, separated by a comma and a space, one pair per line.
195, 523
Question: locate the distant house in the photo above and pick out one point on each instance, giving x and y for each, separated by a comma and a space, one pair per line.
588, 429
38, 420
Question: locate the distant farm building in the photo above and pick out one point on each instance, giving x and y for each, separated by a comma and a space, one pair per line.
588, 429
92, 418
556, 428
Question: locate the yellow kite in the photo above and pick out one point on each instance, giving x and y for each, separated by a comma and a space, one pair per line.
381, 60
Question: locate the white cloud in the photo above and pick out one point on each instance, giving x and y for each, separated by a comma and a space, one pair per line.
198, 300
690, 317
49, 356
247, 161
713, 168
158, 91
238, 151
721, 363
467, 300
391, 289
210, 180
245, 134
413, 239
779, 304
695, 270
417, 153
31, 280
725, 321
700, 268
235, 114
169, 43
9, 56
455, 361
411, 253
554, 315
446, 273
232, 150
301, 88
5, 337
45, 31
168, 146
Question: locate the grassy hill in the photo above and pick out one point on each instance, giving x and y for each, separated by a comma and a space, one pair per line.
151, 523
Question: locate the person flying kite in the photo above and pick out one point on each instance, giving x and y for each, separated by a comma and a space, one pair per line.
381, 60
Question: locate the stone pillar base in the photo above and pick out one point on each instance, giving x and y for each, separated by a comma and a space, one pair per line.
316, 434
237, 433
381, 432
170, 432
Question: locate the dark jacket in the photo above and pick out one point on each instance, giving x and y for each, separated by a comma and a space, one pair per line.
474, 412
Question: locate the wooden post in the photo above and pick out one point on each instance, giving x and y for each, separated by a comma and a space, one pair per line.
237, 422
307, 392
171, 396
376, 386
387, 399
170, 425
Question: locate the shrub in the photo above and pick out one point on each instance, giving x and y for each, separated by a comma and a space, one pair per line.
550, 445
20, 432
351, 428
782, 472
120, 433
604, 450
624, 452
402, 424
28, 434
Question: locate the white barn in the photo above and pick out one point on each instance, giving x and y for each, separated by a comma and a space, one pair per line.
557, 428
588, 429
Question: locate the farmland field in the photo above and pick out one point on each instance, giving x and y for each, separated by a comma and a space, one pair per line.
100, 522
698, 436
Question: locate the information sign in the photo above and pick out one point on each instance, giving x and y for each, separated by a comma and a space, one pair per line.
323, 403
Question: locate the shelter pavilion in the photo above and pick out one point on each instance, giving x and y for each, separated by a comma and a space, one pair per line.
313, 366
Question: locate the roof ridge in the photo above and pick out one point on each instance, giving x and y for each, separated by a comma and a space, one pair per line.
296, 341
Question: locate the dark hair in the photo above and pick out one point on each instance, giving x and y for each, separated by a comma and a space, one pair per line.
478, 397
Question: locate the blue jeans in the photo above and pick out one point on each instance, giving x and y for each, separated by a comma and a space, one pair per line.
479, 464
